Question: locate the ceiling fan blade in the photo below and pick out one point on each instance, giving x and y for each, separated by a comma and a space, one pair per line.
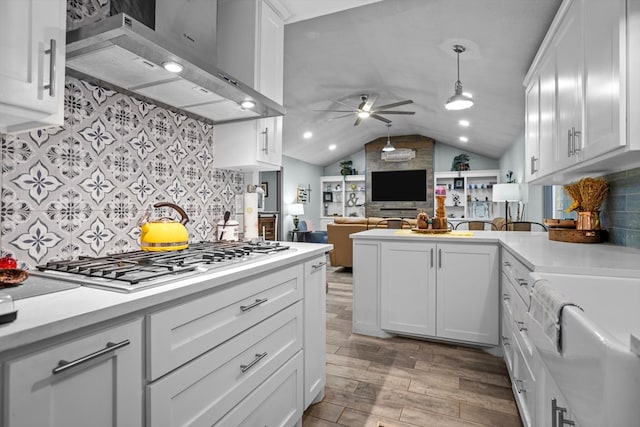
339, 117
337, 111
382, 119
368, 106
364, 98
395, 104
358, 120
342, 103
395, 112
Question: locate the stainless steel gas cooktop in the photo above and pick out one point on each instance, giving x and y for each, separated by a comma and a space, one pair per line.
134, 271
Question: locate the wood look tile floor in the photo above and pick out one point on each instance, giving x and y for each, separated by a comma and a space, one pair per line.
403, 382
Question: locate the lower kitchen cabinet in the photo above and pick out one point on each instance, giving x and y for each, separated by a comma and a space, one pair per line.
443, 290
94, 380
315, 329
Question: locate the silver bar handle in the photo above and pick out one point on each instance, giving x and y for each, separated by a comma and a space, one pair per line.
259, 357
506, 297
521, 325
440, 258
569, 145
52, 68
522, 282
506, 263
505, 341
533, 165
318, 266
266, 140
431, 257
557, 414
520, 386
577, 147
253, 305
64, 365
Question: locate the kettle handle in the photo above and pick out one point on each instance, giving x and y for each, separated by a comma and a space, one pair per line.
183, 214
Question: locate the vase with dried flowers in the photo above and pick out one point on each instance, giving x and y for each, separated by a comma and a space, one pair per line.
588, 195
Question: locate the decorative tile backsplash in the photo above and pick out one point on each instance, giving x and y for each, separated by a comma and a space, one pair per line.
621, 212
80, 189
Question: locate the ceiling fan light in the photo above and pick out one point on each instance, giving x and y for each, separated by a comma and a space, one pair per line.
363, 114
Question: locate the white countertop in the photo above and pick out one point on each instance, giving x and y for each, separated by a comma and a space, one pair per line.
535, 250
60, 312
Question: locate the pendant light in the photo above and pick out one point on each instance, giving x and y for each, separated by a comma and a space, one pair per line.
387, 148
458, 101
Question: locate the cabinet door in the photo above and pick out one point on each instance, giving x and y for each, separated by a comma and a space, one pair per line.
603, 81
569, 68
104, 387
548, 137
315, 285
408, 288
468, 286
269, 141
532, 129
271, 53
32, 48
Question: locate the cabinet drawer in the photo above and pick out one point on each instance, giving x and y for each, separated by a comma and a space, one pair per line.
98, 381
204, 390
517, 273
507, 339
517, 310
524, 387
183, 332
277, 402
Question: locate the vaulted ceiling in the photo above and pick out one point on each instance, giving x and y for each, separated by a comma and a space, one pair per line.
402, 49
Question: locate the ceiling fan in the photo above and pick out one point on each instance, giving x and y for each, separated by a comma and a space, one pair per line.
366, 109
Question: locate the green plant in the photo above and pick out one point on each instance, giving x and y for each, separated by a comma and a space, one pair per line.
346, 167
460, 162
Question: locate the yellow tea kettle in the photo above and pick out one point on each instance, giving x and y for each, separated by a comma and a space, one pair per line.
164, 234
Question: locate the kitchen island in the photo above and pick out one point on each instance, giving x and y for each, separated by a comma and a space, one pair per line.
221, 347
476, 288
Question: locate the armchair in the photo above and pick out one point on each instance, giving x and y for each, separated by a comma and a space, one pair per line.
306, 233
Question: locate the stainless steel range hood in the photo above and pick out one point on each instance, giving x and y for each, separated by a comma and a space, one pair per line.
125, 53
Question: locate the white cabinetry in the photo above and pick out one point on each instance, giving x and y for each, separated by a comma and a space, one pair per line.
32, 48
250, 38
315, 347
583, 112
342, 196
468, 193
93, 380
433, 290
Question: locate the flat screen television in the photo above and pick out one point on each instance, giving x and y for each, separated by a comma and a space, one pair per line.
399, 186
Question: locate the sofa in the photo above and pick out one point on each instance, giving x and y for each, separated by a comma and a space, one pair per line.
339, 231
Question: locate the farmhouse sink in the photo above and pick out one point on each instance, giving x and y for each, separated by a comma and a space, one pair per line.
596, 370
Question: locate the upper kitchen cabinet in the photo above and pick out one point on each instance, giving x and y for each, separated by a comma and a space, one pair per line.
250, 38
32, 48
588, 89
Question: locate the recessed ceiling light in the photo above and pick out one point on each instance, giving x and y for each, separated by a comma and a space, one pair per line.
464, 123
332, 147
247, 104
363, 114
173, 67
307, 135
463, 139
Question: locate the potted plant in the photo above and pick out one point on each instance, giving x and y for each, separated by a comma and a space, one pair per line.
460, 162
346, 167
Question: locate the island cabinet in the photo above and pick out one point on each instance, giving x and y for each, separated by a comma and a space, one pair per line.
315, 343
93, 379
32, 48
447, 291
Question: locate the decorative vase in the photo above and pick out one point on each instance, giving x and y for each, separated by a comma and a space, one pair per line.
588, 220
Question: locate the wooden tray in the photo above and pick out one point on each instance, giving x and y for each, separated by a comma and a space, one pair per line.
560, 223
575, 236
431, 230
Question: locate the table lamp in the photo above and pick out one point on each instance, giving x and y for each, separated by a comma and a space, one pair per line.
506, 193
296, 209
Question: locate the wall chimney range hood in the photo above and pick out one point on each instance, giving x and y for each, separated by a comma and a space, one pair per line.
123, 52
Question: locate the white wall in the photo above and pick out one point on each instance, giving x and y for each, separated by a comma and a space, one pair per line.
359, 164
514, 160
444, 154
298, 173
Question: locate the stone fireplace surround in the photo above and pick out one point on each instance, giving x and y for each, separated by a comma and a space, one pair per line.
424, 148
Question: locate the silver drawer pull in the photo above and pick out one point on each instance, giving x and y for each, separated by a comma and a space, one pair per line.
255, 304
521, 326
522, 282
318, 266
259, 357
506, 264
505, 341
506, 297
560, 411
520, 386
63, 365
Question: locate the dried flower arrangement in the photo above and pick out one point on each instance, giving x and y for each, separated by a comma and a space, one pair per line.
587, 194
